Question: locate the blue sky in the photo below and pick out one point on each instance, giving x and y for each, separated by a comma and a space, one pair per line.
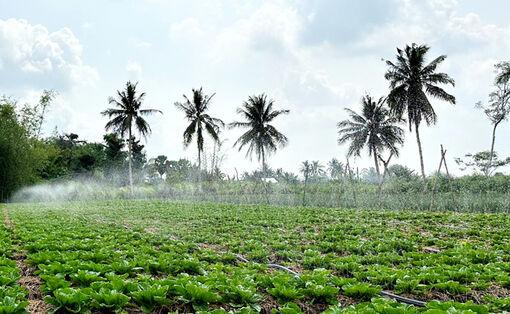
313, 57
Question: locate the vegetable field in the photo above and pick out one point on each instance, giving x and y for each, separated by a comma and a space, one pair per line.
159, 256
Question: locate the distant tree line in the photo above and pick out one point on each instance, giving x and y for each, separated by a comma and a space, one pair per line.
26, 157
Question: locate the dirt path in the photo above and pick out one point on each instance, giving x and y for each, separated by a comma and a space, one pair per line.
28, 280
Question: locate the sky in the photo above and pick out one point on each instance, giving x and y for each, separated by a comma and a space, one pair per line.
313, 57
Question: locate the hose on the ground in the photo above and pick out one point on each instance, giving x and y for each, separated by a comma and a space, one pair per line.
382, 293
402, 299
244, 260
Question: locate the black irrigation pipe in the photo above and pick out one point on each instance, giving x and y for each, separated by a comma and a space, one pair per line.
402, 299
382, 293
244, 260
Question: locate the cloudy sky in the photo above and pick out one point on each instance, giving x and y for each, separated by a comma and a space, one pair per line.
314, 57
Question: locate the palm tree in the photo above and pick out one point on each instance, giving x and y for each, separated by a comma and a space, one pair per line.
306, 170
317, 169
160, 164
126, 113
195, 111
261, 137
411, 81
374, 128
335, 168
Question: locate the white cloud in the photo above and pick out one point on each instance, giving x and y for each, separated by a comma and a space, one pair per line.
188, 30
271, 28
296, 51
437, 22
134, 71
27, 49
138, 43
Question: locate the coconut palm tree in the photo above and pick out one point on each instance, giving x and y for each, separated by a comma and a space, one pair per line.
160, 164
317, 170
261, 137
127, 114
411, 82
373, 128
195, 111
335, 168
306, 170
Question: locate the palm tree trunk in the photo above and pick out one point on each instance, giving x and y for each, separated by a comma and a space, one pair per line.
263, 164
491, 156
420, 151
264, 183
199, 167
304, 190
130, 163
376, 164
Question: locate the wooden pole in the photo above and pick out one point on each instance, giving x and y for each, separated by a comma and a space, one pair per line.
443, 160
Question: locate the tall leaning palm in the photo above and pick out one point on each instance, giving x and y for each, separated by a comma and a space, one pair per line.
127, 114
195, 111
261, 137
373, 128
411, 82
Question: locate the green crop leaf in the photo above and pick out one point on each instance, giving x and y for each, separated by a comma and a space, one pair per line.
498, 305
286, 292
85, 277
68, 299
198, 294
149, 296
289, 308
407, 285
361, 291
8, 275
454, 307
109, 299
16, 292
451, 287
321, 293
9, 305
53, 282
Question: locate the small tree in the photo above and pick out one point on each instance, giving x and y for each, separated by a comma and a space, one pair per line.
32, 117
485, 162
498, 108
503, 69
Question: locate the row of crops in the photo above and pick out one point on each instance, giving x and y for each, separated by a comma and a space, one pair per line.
158, 256
12, 295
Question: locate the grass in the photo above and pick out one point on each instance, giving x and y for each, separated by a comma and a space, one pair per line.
329, 194
156, 255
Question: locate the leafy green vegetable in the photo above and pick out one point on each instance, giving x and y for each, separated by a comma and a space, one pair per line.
68, 300
361, 291
149, 296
